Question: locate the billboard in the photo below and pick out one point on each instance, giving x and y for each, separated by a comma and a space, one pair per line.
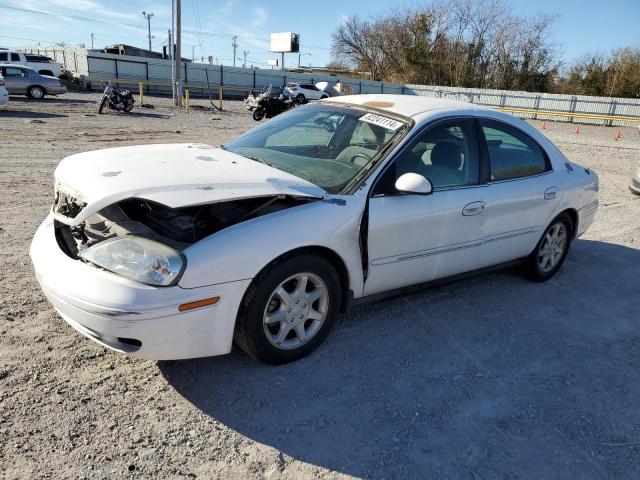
272, 62
285, 42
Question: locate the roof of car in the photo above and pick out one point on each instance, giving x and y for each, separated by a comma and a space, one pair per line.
15, 65
407, 105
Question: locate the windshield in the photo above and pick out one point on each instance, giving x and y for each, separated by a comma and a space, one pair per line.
327, 145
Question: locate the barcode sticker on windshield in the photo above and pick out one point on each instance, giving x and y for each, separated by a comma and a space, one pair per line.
384, 122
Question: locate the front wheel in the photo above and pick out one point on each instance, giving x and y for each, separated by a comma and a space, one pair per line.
36, 93
551, 251
289, 309
258, 114
103, 102
301, 99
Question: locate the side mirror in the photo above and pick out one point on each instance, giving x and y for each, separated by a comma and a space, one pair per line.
414, 183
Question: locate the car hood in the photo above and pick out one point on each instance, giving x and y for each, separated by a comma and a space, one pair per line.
175, 175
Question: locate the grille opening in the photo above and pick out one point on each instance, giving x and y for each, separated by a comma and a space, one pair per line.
134, 342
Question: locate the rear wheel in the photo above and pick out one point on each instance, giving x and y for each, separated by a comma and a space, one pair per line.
36, 92
289, 309
551, 251
128, 105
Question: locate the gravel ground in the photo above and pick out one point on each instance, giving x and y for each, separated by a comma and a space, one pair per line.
489, 377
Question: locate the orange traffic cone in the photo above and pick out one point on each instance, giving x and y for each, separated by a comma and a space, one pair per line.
577, 128
544, 125
618, 136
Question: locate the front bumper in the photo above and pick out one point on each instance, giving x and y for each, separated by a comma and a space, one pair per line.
53, 90
119, 313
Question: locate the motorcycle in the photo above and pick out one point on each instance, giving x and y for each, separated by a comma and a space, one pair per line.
270, 107
251, 102
116, 99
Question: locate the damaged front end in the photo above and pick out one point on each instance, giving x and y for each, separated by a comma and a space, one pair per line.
143, 240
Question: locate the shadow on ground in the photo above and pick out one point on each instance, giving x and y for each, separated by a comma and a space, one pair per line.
487, 377
49, 99
23, 114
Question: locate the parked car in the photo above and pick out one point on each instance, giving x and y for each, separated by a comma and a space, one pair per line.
635, 180
305, 91
4, 94
40, 63
172, 251
21, 80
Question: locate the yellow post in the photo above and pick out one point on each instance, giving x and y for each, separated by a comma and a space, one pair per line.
220, 91
141, 90
186, 98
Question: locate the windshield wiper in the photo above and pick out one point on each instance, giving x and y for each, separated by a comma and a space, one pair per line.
259, 159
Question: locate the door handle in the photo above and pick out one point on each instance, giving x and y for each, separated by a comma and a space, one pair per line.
473, 208
551, 193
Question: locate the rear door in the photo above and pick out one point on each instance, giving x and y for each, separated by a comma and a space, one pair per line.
15, 80
522, 192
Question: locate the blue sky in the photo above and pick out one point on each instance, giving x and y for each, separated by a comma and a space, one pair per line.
582, 26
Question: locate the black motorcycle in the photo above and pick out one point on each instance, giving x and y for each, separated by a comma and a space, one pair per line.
270, 107
116, 99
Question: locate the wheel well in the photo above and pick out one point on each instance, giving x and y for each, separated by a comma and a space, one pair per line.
333, 258
573, 215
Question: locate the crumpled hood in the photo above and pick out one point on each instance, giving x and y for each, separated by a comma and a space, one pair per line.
175, 175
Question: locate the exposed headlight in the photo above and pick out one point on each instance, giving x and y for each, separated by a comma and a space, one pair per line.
137, 258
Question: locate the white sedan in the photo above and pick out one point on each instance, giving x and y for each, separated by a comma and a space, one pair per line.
174, 251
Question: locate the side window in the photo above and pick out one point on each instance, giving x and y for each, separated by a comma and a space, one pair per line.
447, 154
512, 153
13, 73
4, 56
15, 57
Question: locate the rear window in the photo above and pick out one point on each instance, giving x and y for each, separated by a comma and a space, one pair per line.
512, 153
15, 57
38, 58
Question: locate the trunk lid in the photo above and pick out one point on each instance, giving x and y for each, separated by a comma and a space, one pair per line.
175, 175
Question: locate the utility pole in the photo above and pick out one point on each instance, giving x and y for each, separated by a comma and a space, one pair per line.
244, 63
92, 35
235, 46
178, 52
170, 50
193, 53
148, 17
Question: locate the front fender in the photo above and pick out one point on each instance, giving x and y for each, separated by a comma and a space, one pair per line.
241, 251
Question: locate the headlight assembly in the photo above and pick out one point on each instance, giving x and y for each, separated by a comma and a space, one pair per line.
137, 258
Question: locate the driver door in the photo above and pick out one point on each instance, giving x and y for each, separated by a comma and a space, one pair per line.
415, 238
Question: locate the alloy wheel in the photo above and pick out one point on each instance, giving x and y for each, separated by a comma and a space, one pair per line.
552, 247
296, 311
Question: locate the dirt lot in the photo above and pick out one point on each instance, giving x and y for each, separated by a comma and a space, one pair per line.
490, 377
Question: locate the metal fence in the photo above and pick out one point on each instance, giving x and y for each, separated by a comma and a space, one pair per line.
526, 103
585, 109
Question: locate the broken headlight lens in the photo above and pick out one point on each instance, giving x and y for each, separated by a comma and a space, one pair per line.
137, 258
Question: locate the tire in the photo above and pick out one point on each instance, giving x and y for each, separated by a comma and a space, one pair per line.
268, 327
258, 114
301, 99
103, 102
324, 96
36, 92
128, 105
555, 241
